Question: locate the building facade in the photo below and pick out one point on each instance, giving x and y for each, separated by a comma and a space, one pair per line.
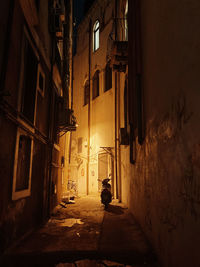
34, 112
95, 144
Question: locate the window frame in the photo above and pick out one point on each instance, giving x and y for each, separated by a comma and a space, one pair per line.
24, 192
86, 94
26, 38
108, 80
40, 71
96, 76
96, 32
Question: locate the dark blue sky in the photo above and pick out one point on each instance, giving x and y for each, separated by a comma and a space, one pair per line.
80, 7
78, 10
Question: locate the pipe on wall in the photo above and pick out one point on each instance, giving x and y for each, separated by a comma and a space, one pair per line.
89, 78
116, 165
118, 141
51, 112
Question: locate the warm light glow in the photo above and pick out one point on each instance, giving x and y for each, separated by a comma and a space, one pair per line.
96, 36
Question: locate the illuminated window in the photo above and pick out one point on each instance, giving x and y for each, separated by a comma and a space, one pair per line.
96, 36
22, 165
108, 78
95, 88
126, 21
86, 93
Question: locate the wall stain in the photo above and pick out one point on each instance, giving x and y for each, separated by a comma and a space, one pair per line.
190, 191
183, 116
165, 155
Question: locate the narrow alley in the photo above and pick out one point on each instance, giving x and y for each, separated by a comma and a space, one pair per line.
100, 101
84, 232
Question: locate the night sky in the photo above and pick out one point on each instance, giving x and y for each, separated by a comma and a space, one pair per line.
80, 8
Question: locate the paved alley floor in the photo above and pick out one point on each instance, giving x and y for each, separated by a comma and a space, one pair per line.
84, 234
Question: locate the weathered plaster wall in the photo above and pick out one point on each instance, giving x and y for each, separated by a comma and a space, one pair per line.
7, 144
163, 189
21, 216
78, 162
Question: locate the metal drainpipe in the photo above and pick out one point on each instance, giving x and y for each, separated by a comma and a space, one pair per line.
51, 112
72, 80
116, 167
66, 75
118, 142
72, 61
89, 77
67, 62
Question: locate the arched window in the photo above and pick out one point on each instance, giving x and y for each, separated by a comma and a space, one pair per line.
96, 36
108, 77
86, 93
95, 87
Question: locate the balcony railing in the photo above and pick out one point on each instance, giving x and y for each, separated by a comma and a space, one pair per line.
67, 120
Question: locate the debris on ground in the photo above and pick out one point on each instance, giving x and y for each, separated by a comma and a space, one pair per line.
65, 222
70, 201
